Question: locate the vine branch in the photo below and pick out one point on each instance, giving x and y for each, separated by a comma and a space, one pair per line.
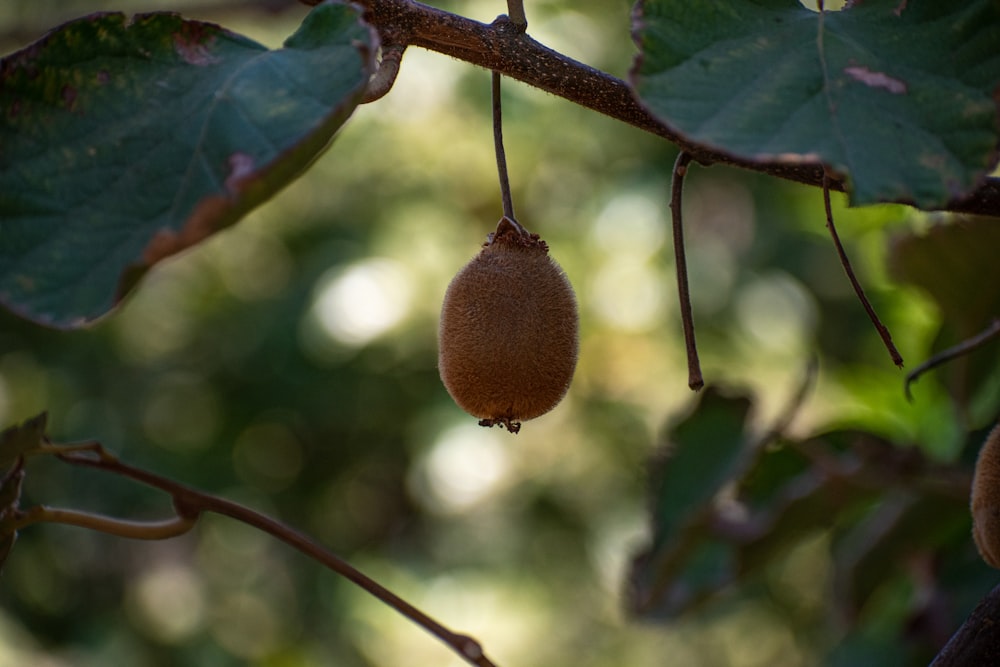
189, 504
503, 46
977, 642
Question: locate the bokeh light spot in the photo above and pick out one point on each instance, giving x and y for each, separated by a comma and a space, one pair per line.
777, 312
183, 412
166, 603
466, 465
630, 224
627, 295
245, 625
268, 456
356, 305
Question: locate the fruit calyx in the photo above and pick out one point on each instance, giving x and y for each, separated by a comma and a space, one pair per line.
510, 232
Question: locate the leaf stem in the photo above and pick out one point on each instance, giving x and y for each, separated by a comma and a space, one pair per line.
883, 331
191, 503
695, 379
508, 200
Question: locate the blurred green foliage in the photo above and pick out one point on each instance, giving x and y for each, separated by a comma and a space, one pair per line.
289, 363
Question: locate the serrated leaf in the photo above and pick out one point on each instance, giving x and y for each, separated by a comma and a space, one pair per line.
123, 142
21, 438
896, 96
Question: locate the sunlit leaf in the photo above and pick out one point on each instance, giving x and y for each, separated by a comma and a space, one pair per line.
896, 96
125, 141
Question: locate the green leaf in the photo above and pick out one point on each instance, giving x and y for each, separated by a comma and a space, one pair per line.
703, 453
895, 96
21, 438
125, 141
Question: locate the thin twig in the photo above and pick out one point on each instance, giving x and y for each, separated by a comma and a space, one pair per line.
943, 357
846, 263
191, 503
508, 200
695, 379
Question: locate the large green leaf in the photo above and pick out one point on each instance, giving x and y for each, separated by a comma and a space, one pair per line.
896, 96
125, 141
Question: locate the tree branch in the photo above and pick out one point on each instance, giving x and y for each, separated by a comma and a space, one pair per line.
504, 47
977, 642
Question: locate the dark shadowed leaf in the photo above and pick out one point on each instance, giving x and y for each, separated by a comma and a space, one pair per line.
896, 96
702, 454
956, 264
13, 478
901, 526
125, 141
777, 495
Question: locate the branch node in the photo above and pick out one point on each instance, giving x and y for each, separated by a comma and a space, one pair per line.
383, 78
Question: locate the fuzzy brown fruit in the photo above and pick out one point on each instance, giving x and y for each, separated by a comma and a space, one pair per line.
986, 500
508, 339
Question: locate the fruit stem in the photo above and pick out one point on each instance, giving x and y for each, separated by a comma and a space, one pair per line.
508, 202
695, 379
515, 10
883, 331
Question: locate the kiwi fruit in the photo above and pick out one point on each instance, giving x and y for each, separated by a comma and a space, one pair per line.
508, 338
986, 500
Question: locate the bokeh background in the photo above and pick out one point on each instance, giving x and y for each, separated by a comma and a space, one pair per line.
289, 363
